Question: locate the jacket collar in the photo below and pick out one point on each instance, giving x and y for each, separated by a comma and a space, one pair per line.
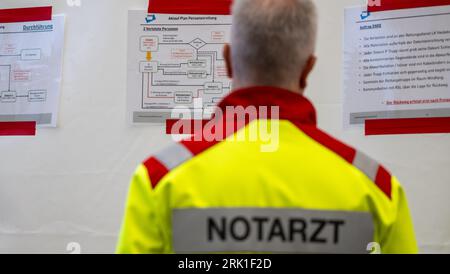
293, 107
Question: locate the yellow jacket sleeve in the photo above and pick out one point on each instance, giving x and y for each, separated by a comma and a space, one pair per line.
140, 232
399, 237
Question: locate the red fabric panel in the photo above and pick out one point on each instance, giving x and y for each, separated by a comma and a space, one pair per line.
384, 181
156, 171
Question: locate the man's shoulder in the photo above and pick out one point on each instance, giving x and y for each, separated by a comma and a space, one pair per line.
174, 155
375, 171
179, 153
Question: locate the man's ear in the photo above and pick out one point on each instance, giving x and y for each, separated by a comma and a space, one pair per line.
307, 71
227, 57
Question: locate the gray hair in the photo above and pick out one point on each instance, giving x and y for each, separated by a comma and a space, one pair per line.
272, 40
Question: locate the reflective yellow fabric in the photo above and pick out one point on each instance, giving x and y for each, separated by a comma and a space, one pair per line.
301, 173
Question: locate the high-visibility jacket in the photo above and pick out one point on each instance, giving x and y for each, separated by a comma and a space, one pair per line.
309, 194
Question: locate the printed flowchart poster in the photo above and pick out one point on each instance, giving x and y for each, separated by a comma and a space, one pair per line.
30, 71
175, 61
396, 64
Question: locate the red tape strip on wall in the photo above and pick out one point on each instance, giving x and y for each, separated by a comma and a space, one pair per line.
385, 5
408, 126
204, 7
25, 14
17, 128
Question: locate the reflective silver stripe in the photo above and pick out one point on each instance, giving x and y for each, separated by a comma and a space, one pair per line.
270, 230
367, 165
173, 156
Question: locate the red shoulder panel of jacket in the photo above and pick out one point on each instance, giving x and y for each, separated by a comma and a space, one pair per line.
173, 156
384, 181
197, 147
156, 170
166, 160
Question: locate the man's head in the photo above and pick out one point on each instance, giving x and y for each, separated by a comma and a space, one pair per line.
272, 43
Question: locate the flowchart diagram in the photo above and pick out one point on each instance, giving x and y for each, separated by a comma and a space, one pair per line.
196, 71
180, 64
8, 73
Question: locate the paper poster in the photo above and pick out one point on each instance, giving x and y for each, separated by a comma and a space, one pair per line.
175, 61
30, 71
396, 64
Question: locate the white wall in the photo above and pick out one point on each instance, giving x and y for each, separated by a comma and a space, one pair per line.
69, 184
